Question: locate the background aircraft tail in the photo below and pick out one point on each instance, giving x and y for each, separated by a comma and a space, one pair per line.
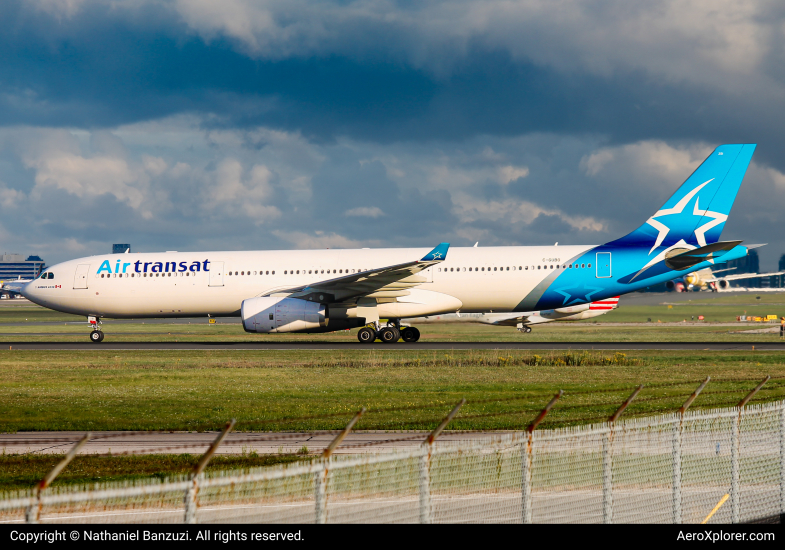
695, 214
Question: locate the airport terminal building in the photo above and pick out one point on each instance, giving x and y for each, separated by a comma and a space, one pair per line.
14, 266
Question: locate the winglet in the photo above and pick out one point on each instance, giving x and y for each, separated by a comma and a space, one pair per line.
437, 254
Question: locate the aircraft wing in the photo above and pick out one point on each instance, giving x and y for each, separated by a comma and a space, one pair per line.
743, 276
383, 282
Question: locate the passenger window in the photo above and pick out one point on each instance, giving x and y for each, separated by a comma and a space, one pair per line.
539, 267
494, 269
284, 272
271, 317
589, 265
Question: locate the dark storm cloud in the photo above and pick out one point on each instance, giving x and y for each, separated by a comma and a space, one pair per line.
105, 66
244, 124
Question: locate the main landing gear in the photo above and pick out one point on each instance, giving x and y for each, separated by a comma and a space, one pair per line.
389, 334
96, 336
525, 329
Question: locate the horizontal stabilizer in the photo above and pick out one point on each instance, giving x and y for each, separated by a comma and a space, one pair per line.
685, 259
689, 258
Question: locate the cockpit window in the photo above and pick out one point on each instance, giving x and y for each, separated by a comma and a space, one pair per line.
50, 275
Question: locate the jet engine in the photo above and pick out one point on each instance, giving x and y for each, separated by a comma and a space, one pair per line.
723, 284
271, 314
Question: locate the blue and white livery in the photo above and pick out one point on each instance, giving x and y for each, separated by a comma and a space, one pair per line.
328, 290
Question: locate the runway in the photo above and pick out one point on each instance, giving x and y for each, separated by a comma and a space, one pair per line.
400, 346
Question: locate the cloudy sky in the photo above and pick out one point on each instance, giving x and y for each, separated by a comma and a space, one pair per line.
248, 124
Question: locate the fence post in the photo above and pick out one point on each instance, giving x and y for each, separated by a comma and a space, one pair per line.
526, 461
735, 449
607, 459
677, 440
425, 465
320, 481
33, 512
782, 458
734, 468
191, 492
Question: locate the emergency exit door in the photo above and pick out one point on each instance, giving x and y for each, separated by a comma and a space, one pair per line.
216, 274
80, 278
603, 265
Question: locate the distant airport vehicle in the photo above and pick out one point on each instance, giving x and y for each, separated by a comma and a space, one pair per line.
524, 320
328, 290
706, 279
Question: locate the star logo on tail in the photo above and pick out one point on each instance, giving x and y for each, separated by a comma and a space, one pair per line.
678, 211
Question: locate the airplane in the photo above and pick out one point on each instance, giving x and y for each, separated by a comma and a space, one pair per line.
13, 289
706, 279
523, 321
313, 291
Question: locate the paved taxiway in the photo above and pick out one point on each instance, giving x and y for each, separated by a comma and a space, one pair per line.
400, 346
235, 443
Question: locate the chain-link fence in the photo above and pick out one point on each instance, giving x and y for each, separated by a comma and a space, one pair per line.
669, 468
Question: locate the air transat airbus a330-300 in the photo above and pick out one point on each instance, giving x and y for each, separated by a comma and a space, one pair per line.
329, 290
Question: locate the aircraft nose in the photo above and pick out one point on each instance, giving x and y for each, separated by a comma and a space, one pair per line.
28, 291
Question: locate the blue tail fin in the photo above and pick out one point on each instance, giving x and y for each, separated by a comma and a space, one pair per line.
695, 215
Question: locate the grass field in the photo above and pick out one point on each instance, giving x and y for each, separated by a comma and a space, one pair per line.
309, 390
296, 390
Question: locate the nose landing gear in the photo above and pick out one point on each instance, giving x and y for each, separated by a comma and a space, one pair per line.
96, 336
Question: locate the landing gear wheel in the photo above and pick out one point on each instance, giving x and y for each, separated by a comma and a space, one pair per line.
96, 336
366, 335
389, 335
527, 330
410, 334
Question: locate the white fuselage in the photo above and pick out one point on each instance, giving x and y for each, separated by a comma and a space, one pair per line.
180, 284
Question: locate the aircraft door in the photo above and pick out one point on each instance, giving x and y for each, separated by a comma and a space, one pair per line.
80, 278
603, 265
216, 274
